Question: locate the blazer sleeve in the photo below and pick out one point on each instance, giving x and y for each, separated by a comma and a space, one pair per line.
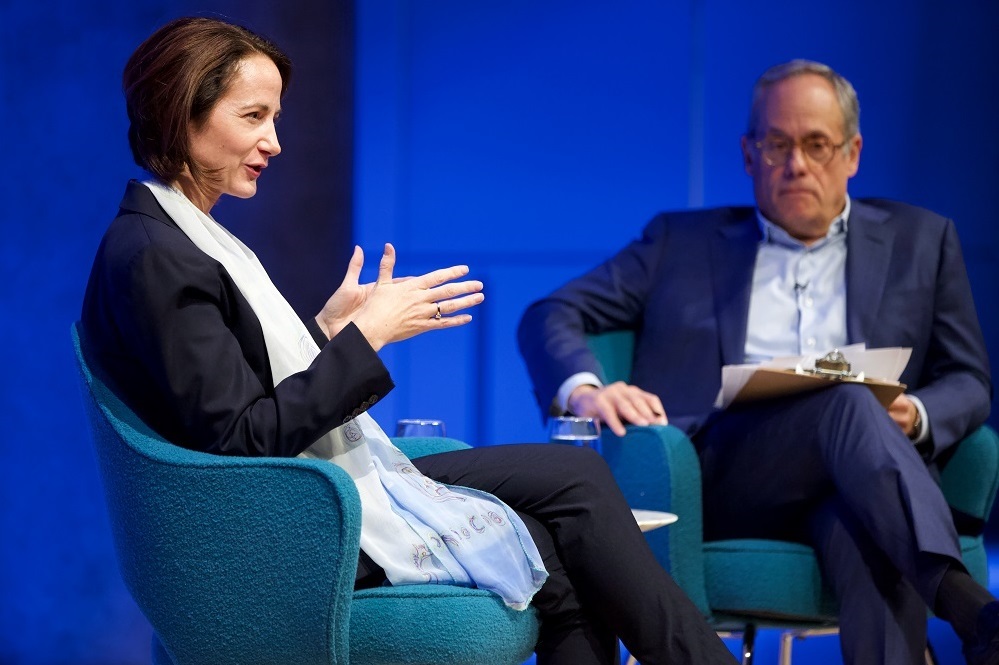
182, 319
954, 383
552, 331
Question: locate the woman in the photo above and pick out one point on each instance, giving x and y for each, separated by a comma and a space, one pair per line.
183, 323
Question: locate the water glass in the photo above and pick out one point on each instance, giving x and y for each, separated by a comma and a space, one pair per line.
575, 431
419, 427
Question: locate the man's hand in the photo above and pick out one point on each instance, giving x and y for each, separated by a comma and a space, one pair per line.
904, 413
616, 404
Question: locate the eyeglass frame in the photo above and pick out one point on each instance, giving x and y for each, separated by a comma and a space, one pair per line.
799, 143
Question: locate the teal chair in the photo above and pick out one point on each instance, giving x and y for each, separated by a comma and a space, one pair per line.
252, 560
742, 585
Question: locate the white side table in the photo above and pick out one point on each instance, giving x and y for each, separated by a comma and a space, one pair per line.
652, 519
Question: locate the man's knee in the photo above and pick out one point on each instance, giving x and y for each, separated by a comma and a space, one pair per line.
851, 405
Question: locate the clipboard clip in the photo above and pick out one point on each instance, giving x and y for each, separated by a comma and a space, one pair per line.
833, 365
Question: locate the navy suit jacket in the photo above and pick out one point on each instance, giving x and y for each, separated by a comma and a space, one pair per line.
684, 289
168, 330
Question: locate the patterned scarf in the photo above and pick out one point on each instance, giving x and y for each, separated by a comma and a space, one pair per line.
418, 530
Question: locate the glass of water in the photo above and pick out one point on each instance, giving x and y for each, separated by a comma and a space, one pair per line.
575, 431
419, 427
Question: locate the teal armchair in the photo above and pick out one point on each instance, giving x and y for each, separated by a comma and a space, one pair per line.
252, 560
744, 584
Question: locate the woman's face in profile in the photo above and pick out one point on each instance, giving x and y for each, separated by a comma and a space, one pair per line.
238, 138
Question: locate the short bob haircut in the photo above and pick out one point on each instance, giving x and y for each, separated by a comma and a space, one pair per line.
175, 78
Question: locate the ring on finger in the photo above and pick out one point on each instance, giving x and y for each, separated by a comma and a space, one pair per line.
438, 314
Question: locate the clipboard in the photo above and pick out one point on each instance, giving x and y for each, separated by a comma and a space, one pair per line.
769, 382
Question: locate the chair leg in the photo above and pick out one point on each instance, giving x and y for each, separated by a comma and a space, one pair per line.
930, 656
788, 636
786, 643
748, 644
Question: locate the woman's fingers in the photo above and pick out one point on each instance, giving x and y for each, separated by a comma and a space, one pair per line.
399, 308
439, 276
448, 307
453, 290
386, 265
353, 274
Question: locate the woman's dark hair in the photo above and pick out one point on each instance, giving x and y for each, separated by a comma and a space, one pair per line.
175, 78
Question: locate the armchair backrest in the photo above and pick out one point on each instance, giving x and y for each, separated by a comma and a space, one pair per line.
615, 351
218, 550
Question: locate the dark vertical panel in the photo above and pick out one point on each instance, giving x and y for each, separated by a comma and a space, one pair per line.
66, 163
300, 222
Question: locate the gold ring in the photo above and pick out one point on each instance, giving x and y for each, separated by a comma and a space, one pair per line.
438, 315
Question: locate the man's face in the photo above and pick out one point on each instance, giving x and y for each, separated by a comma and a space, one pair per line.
802, 195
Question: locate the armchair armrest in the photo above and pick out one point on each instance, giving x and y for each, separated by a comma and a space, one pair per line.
970, 479
657, 469
419, 446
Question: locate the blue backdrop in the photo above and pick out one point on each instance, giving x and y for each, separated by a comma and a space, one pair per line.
526, 139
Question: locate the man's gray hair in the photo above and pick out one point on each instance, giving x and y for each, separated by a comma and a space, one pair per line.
845, 93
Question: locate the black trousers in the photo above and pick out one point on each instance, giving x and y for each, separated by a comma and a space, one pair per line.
604, 582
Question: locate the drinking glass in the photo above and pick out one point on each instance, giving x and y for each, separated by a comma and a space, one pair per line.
419, 427
575, 431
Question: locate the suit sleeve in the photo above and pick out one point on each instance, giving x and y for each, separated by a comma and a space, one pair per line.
552, 332
954, 385
178, 312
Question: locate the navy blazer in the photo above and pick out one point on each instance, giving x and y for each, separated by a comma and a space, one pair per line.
168, 330
684, 288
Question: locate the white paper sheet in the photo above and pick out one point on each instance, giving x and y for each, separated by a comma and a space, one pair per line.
886, 364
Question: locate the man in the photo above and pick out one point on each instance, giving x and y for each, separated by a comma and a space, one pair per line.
808, 270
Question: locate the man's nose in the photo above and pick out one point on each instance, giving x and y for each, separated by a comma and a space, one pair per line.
796, 161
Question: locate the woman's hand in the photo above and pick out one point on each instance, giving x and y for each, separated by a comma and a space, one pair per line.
391, 310
347, 299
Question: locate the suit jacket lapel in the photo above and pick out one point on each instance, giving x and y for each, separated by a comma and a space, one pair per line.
733, 258
869, 244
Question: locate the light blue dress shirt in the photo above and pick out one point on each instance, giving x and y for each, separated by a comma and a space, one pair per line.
798, 302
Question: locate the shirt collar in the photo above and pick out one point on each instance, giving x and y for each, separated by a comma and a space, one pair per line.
773, 234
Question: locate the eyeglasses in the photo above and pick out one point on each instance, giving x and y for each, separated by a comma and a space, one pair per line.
776, 150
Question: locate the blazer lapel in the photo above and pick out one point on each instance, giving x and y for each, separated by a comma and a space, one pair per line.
733, 258
869, 244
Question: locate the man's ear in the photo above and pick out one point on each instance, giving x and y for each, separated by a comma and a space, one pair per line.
853, 158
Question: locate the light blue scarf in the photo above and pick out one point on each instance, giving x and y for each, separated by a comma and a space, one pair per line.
418, 530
